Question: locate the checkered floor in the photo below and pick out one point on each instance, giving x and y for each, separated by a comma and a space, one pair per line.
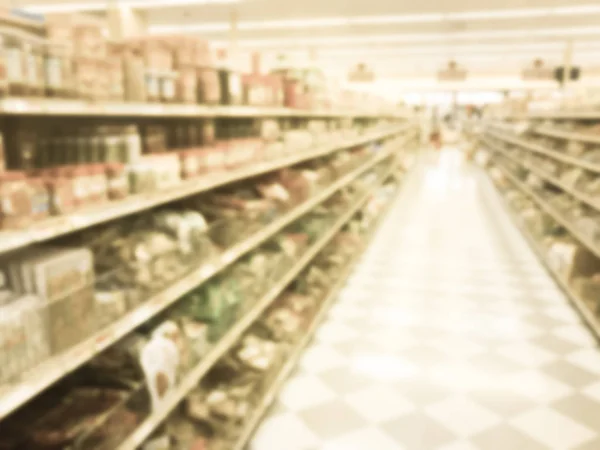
449, 336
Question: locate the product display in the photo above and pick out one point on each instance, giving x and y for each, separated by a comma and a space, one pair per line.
549, 174
166, 354
183, 274
171, 229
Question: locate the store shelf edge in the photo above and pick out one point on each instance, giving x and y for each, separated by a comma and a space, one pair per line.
55, 368
539, 149
287, 369
564, 115
60, 225
590, 320
58, 107
566, 224
225, 343
567, 135
549, 178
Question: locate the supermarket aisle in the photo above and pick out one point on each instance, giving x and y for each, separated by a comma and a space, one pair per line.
449, 336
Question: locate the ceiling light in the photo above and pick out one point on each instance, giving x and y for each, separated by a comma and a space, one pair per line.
499, 14
103, 5
417, 37
324, 22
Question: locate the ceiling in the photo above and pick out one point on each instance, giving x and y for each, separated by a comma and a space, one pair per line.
394, 37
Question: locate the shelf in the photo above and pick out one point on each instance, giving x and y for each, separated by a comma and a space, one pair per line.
556, 215
191, 380
590, 319
255, 419
558, 115
55, 107
543, 151
50, 371
60, 225
568, 135
548, 177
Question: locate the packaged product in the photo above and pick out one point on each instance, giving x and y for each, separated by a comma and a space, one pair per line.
73, 416
58, 64
64, 280
209, 90
62, 195
17, 202
160, 360
117, 181
23, 336
187, 85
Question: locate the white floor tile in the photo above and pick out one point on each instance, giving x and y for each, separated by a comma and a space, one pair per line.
528, 355
304, 391
462, 416
378, 403
367, 438
285, 431
321, 357
553, 429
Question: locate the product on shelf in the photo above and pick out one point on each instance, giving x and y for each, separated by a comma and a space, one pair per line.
557, 202
126, 268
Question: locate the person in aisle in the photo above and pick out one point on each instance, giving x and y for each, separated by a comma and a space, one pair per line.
436, 134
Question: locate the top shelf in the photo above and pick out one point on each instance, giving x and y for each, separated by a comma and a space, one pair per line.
55, 107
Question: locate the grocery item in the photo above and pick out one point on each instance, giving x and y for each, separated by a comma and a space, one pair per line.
24, 340
64, 280
16, 207
160, 360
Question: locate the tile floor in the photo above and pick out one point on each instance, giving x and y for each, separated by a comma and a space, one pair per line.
448, 336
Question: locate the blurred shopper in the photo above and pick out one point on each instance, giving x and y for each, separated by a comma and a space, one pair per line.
436, 130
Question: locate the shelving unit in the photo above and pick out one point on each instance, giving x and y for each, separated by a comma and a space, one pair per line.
296, 353
386, 143
227, 341
590, 319
511, 151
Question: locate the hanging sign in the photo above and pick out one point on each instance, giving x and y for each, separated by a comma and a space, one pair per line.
361, 74
537, 72
452, 72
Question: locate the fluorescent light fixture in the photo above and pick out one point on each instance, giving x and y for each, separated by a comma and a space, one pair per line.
576, 10
454, 49
499, 14
417, 37
102, 6
326, 22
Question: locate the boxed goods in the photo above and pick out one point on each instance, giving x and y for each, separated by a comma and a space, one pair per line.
241, 151
17, 200
64, 280
155, 172
187, 85
88, 76
24, 62
58, 66
262, 90
61, 191
134, 75
23, 336
208, 85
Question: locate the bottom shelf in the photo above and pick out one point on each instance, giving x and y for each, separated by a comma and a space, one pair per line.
582, 308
